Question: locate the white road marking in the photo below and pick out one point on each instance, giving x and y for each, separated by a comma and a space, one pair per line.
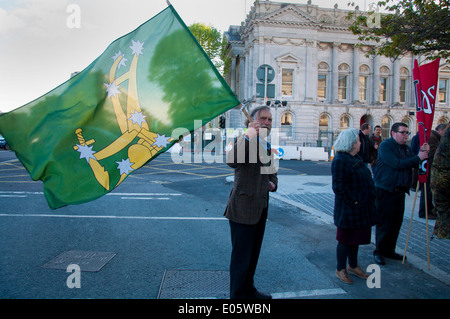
113, 217
308, 293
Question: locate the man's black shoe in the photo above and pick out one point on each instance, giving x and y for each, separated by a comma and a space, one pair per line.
395, 256
378, 259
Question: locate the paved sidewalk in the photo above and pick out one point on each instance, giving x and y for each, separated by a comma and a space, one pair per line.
314, 195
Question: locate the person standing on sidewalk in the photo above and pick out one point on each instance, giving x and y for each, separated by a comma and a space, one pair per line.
354, 204
364, 150
440, 186
392, 181
375, 141
435, 137
254, 177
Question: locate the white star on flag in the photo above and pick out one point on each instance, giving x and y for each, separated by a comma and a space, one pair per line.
137, 118
136, 47
86, 152
124, 166
122, 61
161, 140
112, 89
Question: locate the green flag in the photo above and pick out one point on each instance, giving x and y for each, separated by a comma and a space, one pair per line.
83, 138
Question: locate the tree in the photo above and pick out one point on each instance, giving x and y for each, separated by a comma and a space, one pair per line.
420, 27
213, 43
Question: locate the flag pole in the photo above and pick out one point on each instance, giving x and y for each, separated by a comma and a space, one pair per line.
426, 218
246, 113
168, 3
410, 222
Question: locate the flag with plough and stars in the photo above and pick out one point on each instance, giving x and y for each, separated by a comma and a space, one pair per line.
83, 138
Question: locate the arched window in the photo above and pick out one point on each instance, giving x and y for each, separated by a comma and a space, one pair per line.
443, 120
323, 122
287, 123
408, 121
345, 122
386, 124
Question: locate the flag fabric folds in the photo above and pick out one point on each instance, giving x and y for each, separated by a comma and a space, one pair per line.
83, 138
425, 83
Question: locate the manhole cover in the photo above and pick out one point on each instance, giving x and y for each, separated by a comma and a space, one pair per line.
87, 260
195, 284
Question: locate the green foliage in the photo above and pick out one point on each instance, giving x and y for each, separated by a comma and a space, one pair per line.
213, 43
420, 27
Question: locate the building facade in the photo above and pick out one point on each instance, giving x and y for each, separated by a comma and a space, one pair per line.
306, 57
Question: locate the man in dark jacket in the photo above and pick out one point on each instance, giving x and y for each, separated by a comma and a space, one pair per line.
392, 181
435, 137
254, 177
364, 151
375, 140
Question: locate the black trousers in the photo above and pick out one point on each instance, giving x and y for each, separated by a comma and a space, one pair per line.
246, 241
390, 208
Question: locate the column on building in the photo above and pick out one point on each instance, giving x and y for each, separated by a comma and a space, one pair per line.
355, 74
395, 99
334, 72
376, 80
310, 71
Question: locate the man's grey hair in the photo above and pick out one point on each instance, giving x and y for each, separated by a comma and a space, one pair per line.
346, 140
256, 112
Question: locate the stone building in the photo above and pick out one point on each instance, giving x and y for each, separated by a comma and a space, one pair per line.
310, 61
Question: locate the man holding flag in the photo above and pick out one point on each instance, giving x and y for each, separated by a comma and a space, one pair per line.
392, 180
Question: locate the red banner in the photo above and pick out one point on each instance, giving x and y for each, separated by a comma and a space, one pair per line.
426, 89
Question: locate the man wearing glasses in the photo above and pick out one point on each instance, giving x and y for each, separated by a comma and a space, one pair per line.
392, 181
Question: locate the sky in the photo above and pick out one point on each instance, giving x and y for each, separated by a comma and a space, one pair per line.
43, 41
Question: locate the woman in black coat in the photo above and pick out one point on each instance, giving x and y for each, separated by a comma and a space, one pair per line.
354, 205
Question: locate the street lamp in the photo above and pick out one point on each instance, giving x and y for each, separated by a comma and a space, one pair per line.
276, 105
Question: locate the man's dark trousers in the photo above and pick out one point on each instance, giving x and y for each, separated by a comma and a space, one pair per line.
246, 241
390, 210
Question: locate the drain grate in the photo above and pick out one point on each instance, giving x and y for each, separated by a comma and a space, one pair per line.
195, 284
91, 261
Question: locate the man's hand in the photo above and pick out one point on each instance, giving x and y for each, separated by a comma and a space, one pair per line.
423, 155
425, 147
253, 130
272, 186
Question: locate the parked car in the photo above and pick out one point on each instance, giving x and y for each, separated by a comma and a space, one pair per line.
3, 144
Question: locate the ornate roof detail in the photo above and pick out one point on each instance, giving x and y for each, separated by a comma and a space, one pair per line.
289, 13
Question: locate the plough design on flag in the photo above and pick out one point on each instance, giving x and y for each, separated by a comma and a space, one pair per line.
132, 125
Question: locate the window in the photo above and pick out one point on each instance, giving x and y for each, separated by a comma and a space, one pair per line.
384, 74
323, 70
342, 87
363, 88
323, 122
443, 84
383, 89
345, 122
364, 73
286, 123
287, 82
404, 75
385, 127
402, 92
344, 70
322, 87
